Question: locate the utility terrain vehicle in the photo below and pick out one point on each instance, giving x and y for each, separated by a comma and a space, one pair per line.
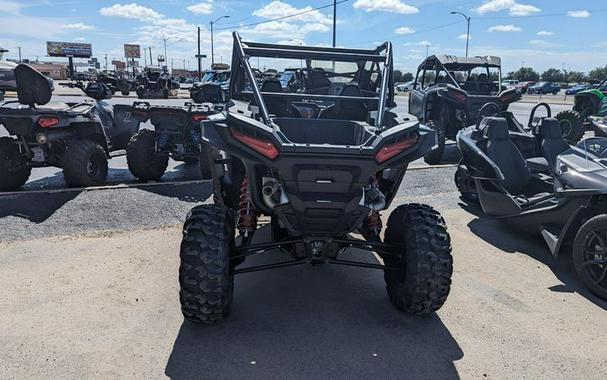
118, 82
451, 90
565, 200
77, 137
321, 163
586, 103
154, 83
176, 134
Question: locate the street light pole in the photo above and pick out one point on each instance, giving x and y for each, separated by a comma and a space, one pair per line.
468, 30
334, 20
212, 52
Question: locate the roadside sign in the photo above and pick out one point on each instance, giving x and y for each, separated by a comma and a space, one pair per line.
133, 63
69, 49
200, 56
120, 66
132, 51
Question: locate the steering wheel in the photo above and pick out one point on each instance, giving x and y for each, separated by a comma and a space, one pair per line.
485, 111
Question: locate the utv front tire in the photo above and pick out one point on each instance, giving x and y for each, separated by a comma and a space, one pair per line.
572, 125
125, 92
140, 91
589, 257
143, 160
15, 168
465, 185
421, 281
85, 164
435, 156
205, 277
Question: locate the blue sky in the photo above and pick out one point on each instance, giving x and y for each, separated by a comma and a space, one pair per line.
539, 33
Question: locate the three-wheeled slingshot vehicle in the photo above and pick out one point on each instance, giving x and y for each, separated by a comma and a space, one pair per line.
561, 194
322, 163
77, 137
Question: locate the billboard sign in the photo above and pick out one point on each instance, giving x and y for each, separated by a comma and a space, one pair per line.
120, 66
69, 49
132, 51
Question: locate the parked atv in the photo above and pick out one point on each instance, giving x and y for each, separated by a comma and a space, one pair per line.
176, 134
218, 77
322, 170
565, 203
586, 103
77, 137
451, 90
155, 83
118, 83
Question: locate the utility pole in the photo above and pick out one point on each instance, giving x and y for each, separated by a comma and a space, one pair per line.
334, 20
151, 59
198, 57
427, 49
19, 53
105, 61
165, 51
145, 59
212, 52
468, 30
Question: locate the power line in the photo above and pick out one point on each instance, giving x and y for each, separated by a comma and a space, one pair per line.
282, 17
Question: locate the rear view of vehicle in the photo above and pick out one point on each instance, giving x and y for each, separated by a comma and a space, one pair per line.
452, 90
155, 83
70, 136
322, 163
176, 134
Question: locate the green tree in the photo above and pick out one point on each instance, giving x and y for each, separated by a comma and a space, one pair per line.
407, 77
524, 74
398, 76
553, 75
576, 77
598, 74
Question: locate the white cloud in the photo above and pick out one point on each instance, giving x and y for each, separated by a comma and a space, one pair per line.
78, 26
464, 36
404, 30
277, 9
397, 6
504, 28
132, 10
201, 8
545, 33
284, 29
80, 39
579, 14
515, 8
10, 7
419, 43
543, 44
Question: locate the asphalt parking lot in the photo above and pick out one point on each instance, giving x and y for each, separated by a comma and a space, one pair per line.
89, 290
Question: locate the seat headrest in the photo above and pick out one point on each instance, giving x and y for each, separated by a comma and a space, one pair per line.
33, 88
495, 128
350, 90
551, 128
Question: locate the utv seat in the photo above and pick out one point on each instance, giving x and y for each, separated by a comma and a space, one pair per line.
553, 144
276, 105
346, 109
317, 82
518, 179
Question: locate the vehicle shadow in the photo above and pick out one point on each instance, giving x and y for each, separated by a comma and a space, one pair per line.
314, 322
34, 207
511, 240
186, 192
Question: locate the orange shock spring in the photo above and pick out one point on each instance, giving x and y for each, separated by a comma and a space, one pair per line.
247, 215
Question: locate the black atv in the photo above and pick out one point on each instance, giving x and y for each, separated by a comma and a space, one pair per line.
561, 194
176, 134
450, 90
587, 103
77, 137
321, 166
154, 83
117, 83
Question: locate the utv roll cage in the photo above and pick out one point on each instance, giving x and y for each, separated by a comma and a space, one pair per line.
242, 70
450, 64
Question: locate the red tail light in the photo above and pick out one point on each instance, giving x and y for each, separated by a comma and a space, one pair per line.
392, 150
261, 146
199, 117
459, 96
46, 122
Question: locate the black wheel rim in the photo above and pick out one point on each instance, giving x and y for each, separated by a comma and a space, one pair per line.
92, 168
594, 263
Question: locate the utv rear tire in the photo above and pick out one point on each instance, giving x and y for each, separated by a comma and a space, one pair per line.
594, 276
465, 184
165, 93
205, 277
421, 283
15, 168
572, 125
85, 164
125, 92
140, 91
435, 157
142, 159
197, 96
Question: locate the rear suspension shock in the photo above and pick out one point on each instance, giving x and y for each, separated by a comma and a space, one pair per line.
247, 214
